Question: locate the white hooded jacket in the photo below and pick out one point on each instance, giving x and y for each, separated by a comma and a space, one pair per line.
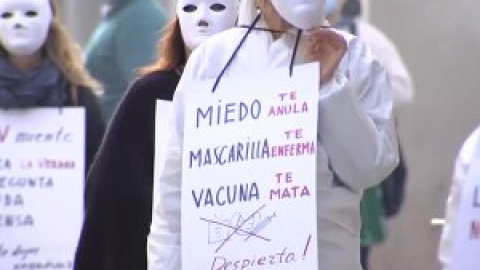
357, 144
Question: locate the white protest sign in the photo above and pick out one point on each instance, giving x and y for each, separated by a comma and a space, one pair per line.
248, 185
41, 187
467, 239
163, 116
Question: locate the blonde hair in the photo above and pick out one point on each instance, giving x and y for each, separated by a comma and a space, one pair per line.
66, 54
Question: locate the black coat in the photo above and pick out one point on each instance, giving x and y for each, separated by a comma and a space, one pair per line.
120, 182
95, 125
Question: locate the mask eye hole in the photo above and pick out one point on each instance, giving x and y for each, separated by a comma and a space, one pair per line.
31, 13
217, 7
7, 15
189, 8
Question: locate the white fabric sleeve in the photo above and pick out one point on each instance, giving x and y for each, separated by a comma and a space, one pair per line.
384, 49
355, 121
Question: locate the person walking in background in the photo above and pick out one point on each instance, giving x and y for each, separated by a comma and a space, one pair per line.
123, 42
346, 15
42, 66
385, 199
120, 183
354, 98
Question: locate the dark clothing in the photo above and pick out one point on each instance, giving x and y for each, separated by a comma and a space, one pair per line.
44, 86
95, 125
352, 8
364, 255
120, 182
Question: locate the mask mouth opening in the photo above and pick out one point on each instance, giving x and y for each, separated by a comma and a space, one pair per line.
250, 28
202, 23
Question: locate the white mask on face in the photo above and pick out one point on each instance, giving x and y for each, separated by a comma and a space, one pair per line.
200, 19
24, 25
303, 14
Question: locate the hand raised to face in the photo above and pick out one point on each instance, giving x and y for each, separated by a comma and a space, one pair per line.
327, 47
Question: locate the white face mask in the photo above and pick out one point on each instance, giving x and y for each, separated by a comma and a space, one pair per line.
200, 19
24, 25
303, 14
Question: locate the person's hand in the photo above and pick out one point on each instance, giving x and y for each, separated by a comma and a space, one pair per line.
326, 46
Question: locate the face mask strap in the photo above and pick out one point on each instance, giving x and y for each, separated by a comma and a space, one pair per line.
260, 29
217, 81
295, 50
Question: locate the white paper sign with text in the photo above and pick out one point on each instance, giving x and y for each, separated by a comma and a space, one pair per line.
466, 249
41, 187
248, 186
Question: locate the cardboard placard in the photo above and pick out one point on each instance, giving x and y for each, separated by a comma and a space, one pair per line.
249, 181
41, 187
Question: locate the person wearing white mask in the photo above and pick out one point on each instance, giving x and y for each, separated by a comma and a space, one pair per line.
120, 182
27, 17
200, 19
354, 98
40, 66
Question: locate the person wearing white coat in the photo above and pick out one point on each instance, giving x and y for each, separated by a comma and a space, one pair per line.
353, 101
403, 91
460, 175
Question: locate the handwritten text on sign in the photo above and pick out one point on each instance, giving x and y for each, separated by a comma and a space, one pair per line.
41, 187
249, 193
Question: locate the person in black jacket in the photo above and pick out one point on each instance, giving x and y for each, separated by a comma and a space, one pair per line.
40, 66
120, 182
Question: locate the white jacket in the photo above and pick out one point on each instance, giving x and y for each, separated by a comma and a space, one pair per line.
356, 135
384, 49
460, 175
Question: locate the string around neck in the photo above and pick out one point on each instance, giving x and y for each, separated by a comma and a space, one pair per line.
261, 29
250, 28
295, 50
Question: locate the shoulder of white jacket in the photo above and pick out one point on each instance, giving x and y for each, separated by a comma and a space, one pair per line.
216, 49
347, 36
224, 40
374, 36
